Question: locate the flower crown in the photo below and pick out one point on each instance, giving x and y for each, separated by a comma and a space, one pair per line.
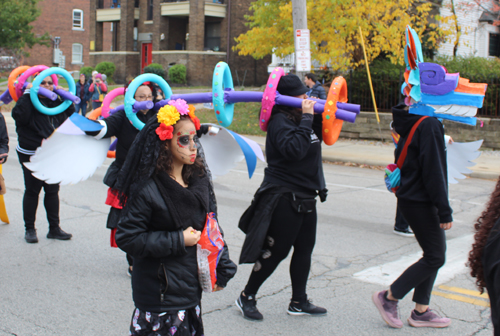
169, 114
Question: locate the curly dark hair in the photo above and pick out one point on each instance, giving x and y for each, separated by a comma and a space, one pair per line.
165, 160
483, 226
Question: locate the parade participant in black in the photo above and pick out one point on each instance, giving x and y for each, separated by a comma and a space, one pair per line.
283, 212
169, 194
119, 126
32, 127
4, 140
484, 258
423, 201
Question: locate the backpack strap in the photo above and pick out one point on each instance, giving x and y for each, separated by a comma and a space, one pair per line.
402, 156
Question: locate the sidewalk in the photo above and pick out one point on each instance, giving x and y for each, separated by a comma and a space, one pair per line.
375, 153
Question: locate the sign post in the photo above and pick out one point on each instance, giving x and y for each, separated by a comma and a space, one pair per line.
302, 50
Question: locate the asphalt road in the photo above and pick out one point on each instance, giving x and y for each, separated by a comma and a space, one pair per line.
80, 287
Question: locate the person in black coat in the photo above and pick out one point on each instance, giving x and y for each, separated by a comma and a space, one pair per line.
423, 201
4, 140
484, 258
283, 211
169, 195
32, 127
316, 89
82, 92
119, 126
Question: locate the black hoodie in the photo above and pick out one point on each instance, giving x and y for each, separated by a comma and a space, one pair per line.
424, 176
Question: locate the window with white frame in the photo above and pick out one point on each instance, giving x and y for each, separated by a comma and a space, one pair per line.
77, 53
77, 19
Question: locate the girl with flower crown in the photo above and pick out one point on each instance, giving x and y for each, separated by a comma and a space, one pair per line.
169, 195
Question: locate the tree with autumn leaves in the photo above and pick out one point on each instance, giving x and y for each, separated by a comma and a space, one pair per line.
334, 31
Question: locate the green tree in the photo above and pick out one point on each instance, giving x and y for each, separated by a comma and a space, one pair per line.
15, 19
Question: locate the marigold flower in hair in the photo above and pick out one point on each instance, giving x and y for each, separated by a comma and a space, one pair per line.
165, 132
193, 117
168, 115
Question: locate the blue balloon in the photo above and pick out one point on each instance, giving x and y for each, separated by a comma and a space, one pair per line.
134, 85
36, 87
222, 80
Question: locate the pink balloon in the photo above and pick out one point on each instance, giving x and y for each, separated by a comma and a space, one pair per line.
31, 71
269, 97
107, 100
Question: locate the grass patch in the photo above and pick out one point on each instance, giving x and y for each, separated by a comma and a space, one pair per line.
245, 120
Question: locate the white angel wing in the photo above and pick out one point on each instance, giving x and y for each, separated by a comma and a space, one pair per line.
224, 149
460, 156
68, 156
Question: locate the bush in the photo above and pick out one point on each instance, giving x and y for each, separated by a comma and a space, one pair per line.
87, 71
177, 74
107, 68
156, 69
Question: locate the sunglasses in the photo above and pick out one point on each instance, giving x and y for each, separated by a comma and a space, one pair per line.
46, 83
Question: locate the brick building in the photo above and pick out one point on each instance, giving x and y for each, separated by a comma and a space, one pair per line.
68, 24
196, 33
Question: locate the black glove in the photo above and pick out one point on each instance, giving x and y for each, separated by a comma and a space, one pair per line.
322, 195
203, 130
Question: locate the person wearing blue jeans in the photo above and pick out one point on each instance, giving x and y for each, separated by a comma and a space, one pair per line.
82, 92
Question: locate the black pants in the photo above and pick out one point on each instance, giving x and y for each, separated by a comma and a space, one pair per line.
400, 224
287, 228
32, 188
424, 222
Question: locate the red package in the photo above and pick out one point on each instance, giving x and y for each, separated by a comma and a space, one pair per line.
209, 248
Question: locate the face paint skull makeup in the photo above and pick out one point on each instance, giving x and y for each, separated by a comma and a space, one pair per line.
183, 145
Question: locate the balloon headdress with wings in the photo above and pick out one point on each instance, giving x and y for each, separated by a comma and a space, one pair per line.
431, 90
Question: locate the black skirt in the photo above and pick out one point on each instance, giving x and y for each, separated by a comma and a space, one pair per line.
171, 323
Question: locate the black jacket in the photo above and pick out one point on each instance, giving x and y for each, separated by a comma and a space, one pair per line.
317, 91
293, 151
118, 125
165, 275
491, 267
424, 176
4, 138
33, 126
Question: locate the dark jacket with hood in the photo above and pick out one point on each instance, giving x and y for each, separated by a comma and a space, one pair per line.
424, 175
293, 155
33, 126
118, 125
165, 275
491, 266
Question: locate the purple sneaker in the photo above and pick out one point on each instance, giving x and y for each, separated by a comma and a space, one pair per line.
428, 319
388, 309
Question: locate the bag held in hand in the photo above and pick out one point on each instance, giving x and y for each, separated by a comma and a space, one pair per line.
209, 248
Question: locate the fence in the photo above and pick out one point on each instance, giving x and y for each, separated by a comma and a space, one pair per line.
387, 88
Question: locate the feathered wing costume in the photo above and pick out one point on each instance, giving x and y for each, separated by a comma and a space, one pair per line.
430, 90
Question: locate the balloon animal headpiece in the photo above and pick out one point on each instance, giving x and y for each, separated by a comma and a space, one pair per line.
430, 90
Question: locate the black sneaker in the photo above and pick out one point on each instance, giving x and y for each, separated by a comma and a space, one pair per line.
305, 308
248, 307
404, 233
57, 233
30, 236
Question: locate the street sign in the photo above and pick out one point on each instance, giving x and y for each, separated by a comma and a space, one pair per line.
302, 50
302, 40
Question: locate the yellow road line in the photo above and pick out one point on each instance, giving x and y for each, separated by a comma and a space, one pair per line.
464, 291
462, 298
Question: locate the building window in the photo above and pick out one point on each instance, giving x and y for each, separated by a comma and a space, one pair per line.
212, 36
494, 46
77, 54
77, 19
150, 10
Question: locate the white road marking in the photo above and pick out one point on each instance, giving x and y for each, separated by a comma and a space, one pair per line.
456, 256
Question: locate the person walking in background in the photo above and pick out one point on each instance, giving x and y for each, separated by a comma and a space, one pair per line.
484, 258
4, 140
316, 89
283, 214
32, 128
82, 92
98, 90
423, 201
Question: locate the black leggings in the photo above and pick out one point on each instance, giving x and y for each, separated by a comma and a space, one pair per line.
287, 228
424, 222
32, 188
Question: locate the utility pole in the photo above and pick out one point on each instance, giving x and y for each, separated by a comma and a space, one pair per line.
301, 38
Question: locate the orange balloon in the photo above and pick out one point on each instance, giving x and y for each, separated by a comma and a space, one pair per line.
94, 114
12, 79
112, 154
331, 125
